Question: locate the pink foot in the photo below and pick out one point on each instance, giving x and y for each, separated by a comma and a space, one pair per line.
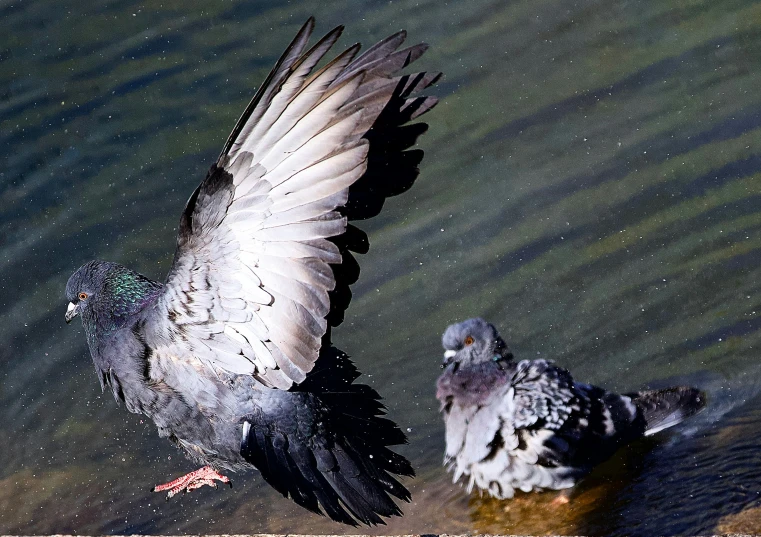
561, 499
193, 480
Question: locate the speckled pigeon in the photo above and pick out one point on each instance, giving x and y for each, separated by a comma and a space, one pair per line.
231, 356
528, 425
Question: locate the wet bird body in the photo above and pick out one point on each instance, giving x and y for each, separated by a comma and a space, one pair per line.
231, 357
528, 425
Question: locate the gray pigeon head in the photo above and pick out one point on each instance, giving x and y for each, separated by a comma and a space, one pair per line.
107, 294
85, 288
472, 342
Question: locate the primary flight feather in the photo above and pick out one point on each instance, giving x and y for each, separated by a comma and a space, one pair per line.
231, 356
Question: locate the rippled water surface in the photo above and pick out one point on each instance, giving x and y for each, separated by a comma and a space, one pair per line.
592, 184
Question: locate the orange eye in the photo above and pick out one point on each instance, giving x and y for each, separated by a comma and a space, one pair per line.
468, 340
82, 296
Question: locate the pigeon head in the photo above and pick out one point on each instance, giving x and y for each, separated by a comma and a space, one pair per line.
472, 342
107, 295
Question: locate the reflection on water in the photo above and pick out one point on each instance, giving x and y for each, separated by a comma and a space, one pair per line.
592, 185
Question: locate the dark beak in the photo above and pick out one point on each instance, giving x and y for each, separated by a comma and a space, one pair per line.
71, 312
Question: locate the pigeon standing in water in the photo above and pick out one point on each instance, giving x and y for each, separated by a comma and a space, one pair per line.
231, 356
528, 425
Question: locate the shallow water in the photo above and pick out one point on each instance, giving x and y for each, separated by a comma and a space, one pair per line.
592, 184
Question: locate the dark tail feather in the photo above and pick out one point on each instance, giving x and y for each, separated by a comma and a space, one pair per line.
669, 406
328, 448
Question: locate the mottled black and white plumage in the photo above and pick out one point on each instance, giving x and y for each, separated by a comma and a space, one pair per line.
231, 356
528, 425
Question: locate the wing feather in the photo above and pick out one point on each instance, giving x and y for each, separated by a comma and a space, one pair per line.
290, 87
251, 286
296, 112
259, 104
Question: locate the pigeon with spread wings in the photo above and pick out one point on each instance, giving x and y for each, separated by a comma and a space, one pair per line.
231, 356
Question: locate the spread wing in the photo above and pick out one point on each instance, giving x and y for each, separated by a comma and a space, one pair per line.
260, 267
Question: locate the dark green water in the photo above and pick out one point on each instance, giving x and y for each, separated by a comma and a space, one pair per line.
592, 184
